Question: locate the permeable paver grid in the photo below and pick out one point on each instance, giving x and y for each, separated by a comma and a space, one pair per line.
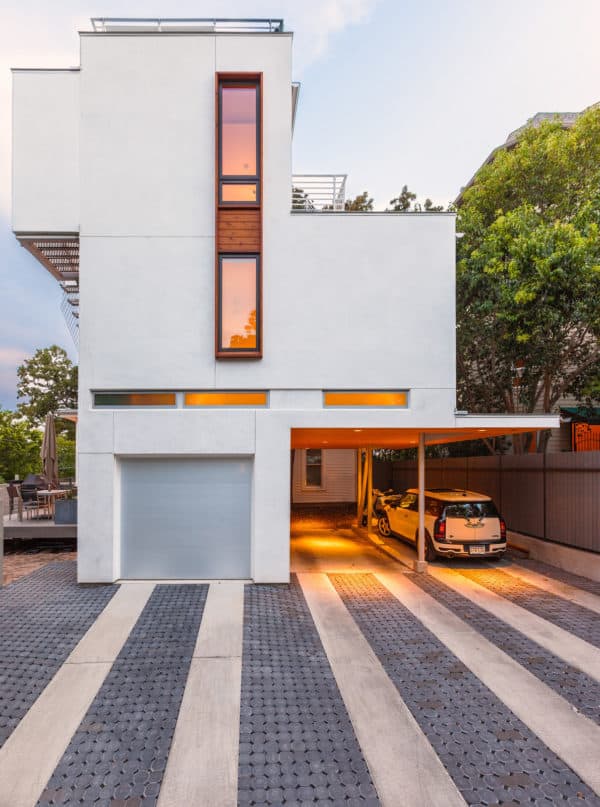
42, 618
592, 586
571, 617
491, 755
579, 689
297, 745
119, 752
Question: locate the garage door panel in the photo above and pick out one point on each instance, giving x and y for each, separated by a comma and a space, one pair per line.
185, 518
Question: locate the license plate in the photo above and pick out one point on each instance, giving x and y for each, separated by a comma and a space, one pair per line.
477, 550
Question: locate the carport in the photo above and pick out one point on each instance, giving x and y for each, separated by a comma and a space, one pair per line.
365, 440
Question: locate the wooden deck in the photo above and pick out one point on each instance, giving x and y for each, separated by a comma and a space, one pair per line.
34, 528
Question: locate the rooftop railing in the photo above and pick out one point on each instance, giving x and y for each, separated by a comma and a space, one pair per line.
316, 192
219, 25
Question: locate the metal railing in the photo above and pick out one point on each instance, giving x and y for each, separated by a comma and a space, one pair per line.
219, 25
69, 305
316, 192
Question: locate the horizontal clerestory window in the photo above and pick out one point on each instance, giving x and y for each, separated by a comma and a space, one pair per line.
116, 399
213, 398
366, 398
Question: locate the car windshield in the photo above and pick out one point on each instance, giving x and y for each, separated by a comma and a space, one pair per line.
471, 510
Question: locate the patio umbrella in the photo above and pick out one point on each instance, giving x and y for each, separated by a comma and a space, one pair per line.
48, 451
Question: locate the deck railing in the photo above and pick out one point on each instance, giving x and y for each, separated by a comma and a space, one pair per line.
316, 192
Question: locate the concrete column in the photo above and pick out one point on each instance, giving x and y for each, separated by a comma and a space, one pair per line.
420, 565
271, 501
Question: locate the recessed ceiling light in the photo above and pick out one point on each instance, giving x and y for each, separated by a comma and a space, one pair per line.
357, 430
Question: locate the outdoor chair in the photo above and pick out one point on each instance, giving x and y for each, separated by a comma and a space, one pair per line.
28, 506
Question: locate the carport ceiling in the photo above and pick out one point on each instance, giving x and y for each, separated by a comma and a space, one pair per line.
391, 438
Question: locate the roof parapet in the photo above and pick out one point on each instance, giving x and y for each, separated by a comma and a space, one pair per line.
218, 25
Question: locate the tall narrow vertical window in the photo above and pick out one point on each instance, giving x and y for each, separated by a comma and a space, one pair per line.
314, 468
239, 143
239, 303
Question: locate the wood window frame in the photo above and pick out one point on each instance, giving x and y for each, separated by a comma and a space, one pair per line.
237, 82
238, 352
223, 209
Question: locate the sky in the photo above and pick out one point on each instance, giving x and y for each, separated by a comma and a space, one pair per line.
393, 92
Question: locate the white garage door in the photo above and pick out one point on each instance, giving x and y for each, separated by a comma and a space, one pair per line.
185, 518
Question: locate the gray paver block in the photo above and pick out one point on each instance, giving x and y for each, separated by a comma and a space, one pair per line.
42, 618
120, 749
463, 729
295, 730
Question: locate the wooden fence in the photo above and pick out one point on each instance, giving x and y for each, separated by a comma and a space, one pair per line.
555, 497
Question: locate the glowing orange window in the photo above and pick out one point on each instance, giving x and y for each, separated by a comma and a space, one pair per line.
212, 398
239, 316
366, 398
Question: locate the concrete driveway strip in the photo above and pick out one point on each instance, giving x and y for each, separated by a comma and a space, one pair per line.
577, 595
572, 649
406, 770
202, 769
34, 749
573, 737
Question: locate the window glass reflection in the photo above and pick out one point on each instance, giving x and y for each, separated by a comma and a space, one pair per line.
238, 131
238, 303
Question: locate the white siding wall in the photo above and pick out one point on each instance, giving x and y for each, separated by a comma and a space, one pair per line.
338, 478
45, 151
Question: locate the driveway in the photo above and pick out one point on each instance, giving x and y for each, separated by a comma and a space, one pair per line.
360, 683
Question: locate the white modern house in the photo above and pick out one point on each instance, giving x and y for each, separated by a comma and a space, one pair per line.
220, 323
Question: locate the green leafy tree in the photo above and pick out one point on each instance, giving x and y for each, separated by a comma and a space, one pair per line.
360, 202
528, 273
20, 444
47, 383
403, 202
65, 449
406, 202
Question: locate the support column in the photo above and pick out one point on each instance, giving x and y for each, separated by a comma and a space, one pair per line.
359, 471
420, 564
370, 492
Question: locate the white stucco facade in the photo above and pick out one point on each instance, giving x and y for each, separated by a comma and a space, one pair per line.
351, 301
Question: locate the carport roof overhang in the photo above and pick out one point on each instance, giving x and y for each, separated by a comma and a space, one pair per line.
477, 428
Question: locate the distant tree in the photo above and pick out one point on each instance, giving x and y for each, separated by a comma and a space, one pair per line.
360, 202
47, 383
406, 202
403, 202
528, 273
65, 448
20, 444
429, 207
248, 339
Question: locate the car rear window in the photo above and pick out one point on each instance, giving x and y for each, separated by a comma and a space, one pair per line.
471, 510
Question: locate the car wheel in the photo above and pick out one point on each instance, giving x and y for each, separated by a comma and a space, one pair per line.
383, 527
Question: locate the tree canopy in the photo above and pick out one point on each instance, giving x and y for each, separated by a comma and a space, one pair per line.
47, 382
20, 444
528, 271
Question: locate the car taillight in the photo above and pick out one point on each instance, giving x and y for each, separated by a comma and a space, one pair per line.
503, 529
439, 529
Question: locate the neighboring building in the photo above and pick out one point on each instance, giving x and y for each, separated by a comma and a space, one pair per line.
324, 476
219, 328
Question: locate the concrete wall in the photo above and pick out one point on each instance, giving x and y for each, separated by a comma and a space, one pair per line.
45, 151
